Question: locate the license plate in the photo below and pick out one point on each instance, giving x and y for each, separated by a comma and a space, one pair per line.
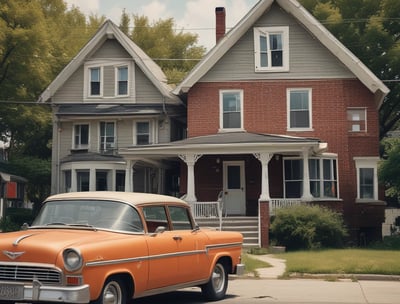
11, 292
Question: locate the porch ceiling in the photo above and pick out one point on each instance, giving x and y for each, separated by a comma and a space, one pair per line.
229, 143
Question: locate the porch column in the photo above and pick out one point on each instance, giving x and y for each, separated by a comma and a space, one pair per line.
92, 179
264, 158
128, 175
306, 177
74, 182
190, 160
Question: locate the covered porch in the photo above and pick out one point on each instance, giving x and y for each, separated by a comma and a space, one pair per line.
245, 174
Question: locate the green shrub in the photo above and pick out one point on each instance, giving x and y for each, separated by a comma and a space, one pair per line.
15, 218
391, 242
308, 227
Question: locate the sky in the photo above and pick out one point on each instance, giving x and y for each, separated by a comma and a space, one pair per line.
195, 16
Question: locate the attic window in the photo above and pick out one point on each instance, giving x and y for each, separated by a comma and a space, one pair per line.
357, 119
271, 49
95, 81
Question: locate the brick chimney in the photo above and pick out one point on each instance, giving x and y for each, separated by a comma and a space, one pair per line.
220, 26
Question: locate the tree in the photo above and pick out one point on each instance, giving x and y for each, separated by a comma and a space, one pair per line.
371, 30
175, 52
31, 56
389, 168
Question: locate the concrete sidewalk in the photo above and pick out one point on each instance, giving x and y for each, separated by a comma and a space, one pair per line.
276, 270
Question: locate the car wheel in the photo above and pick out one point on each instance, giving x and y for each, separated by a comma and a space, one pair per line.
114, 292
215, 288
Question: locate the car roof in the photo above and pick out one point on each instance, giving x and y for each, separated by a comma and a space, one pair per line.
132, 198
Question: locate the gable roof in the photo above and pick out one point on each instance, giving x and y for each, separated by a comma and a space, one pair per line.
109, 30
312, 25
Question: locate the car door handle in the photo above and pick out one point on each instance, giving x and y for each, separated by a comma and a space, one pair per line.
177, 238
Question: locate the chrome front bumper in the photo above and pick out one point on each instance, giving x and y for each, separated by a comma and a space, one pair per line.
40, 293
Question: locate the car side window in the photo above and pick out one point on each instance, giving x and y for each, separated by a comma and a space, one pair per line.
155, 216
180, 218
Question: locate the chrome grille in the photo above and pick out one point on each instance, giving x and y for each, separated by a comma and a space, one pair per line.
23, 273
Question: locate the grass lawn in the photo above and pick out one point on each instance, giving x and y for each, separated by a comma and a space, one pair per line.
343, 261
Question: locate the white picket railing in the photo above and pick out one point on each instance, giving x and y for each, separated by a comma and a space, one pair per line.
278, 203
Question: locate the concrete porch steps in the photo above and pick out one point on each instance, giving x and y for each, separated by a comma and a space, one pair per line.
247, 225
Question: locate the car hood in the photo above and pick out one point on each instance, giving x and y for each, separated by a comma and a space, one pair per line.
45, 245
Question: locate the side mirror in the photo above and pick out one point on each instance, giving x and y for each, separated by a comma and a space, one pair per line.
159, 230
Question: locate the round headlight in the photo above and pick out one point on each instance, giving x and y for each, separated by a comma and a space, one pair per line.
72, 259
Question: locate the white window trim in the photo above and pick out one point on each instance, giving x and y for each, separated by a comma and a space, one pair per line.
101, 64
86, 84
361, 109
131, 76
152, 129
99, 132
285, 55
221, 111
73, 147
368, 163
288, 91
321, 175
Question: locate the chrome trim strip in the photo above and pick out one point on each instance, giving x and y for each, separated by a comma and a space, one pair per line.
18, 240
145, 258
217, 246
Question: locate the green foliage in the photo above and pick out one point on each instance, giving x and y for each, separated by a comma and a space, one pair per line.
175, 52
7, 225
391, 242
19, 216
371, 30
308, 227
389, 167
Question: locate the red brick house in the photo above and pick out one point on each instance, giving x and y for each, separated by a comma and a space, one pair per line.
280, 112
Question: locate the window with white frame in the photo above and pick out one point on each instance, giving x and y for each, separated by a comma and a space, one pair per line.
293, 173
82, 179
102, 180
323, 177
107, 136
122, 81
357, 119
95, 83
271, 49
367, 178
143, 133
231, 110
81, 136
299, 105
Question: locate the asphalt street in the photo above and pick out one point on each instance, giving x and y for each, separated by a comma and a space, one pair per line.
310, 291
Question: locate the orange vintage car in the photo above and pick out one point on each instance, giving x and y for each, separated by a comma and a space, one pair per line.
109, 247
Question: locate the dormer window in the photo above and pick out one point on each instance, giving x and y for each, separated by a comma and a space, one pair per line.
271, 49
95, 81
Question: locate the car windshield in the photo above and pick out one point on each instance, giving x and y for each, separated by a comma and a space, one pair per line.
90, 213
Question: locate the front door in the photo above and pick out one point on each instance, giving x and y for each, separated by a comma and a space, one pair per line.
234, 188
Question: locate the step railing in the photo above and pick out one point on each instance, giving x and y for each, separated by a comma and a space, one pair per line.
207, 210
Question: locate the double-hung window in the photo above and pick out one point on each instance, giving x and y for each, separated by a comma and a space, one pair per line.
271, 49
231, 110
367, 178
322, 173
323, 177
81, 136
299, 107
95, 87
107, 136
122, 81
143, 133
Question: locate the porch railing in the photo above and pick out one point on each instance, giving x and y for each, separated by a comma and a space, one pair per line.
278, 203
207, 210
